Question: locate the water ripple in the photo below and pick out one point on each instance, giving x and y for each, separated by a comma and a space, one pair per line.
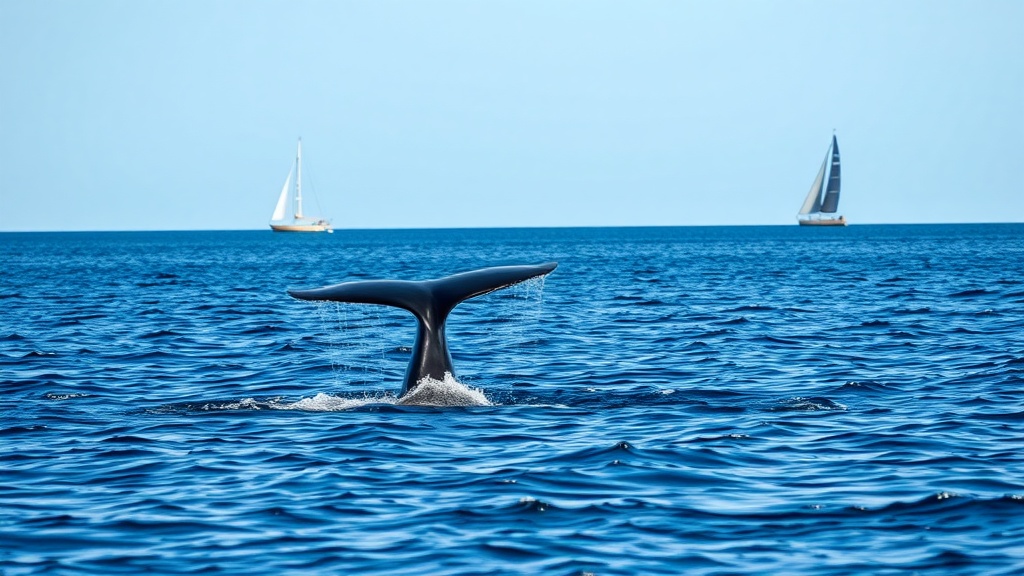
699, 401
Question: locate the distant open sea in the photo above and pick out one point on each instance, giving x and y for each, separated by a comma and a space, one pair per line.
719, 400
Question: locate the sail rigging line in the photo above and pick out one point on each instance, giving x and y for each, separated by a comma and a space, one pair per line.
312, 186
298, 181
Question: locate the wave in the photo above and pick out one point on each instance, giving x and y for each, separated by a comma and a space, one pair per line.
710, 401
971, 293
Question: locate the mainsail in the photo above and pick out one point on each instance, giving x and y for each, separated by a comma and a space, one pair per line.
831, 202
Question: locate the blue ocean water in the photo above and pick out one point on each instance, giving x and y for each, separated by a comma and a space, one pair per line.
715, 400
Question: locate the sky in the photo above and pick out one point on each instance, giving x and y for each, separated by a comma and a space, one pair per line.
161, 115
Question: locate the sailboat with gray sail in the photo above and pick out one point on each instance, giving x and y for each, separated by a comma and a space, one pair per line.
823, 200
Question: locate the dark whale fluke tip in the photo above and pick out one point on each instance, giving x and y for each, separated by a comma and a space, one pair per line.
430, 301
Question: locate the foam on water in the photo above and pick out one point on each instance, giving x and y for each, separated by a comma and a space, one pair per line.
446, 392
429, 392
328, 403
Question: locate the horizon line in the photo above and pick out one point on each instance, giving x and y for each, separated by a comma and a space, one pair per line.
794, 225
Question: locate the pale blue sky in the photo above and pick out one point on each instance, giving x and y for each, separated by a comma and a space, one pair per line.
129, 115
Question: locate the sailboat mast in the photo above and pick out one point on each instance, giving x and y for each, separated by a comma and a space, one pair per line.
298, 181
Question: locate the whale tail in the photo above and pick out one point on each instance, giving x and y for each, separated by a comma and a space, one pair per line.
430, 301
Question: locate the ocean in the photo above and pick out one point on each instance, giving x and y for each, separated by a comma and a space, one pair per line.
692, 400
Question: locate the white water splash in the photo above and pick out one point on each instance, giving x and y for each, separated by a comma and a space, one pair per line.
429, 392
68, 396
243, 404
447, 392
327, 403
319, 403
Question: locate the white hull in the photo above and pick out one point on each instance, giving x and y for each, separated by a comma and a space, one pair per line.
301, 228
841, 221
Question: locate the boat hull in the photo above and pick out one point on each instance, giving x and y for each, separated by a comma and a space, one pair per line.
300, 228
841, 221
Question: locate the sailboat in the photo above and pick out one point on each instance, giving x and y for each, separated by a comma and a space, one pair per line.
289, 204
816, 205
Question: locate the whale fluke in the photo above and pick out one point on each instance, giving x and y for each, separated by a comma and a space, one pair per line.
430, 301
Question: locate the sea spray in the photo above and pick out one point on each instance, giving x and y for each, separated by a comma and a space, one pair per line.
505, 321
327, 403
360, 339
445, 392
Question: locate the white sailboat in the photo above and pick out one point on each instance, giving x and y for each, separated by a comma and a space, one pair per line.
288, 215
816, 204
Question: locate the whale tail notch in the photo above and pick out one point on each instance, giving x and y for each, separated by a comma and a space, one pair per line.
430, 301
